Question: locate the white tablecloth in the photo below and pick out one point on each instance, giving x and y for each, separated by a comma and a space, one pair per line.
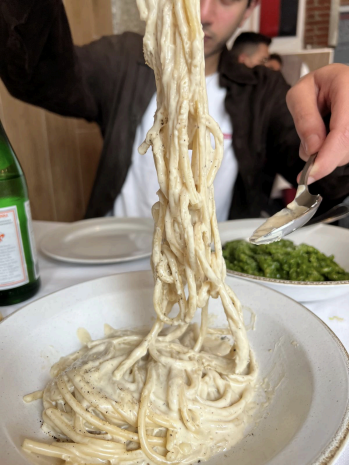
58, 275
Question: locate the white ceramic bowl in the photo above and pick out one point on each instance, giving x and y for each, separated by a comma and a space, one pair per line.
303, 368
330, 240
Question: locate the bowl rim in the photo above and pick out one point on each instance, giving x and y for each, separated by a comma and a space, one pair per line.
338, 440
228, 224
285, 281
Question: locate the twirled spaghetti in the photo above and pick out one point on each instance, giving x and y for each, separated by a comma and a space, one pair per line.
180, 393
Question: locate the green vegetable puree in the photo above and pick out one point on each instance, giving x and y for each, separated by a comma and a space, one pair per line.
282, 260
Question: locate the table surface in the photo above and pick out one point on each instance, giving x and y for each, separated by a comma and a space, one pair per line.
57, 275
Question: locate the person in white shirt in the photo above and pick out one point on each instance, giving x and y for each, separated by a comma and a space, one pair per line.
107, 81
138, 193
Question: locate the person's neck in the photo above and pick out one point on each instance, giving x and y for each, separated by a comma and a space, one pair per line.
211, 64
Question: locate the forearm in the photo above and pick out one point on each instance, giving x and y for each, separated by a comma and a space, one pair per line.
38, 63
16, 11
25, 29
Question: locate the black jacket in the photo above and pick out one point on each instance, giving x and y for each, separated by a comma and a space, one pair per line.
108, 82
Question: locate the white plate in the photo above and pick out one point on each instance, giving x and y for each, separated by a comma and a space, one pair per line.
100, 240
306, 421
330, 240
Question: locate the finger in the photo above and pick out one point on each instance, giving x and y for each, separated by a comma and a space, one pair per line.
303, 156
334, 91
302, 101
335, 150
302, 153
333, 153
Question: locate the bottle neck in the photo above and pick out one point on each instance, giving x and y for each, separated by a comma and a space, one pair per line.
9, 164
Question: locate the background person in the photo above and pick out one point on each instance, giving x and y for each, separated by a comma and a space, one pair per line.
251, 49
274, 62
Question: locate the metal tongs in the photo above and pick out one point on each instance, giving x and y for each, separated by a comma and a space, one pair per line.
294, 216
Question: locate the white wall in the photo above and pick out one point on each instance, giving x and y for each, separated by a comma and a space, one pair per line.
126, 17
279, 44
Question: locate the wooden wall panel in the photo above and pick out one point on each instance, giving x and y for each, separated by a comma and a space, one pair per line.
101, 13
65, 167
314, 59
25, 126
89, 20
317, 60
90, 148
59, 155
81, 20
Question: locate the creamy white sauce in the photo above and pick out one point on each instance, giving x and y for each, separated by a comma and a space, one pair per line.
271, 227
83, 336
193, 411
33, 396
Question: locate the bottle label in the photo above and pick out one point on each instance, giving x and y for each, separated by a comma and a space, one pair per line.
13, 267
31, 238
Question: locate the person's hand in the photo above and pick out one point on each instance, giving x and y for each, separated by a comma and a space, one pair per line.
316, 95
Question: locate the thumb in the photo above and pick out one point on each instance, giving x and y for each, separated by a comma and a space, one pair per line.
302, 103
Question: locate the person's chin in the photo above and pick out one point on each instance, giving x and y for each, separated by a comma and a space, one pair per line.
209, 48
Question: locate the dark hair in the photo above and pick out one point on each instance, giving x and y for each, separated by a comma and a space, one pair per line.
276, 57
248, 40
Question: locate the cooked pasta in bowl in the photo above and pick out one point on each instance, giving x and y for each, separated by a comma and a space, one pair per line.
298, 359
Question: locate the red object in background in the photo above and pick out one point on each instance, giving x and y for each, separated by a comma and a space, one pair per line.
288, 195
270, 18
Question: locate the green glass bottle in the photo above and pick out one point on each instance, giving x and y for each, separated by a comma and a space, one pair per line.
19, 273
